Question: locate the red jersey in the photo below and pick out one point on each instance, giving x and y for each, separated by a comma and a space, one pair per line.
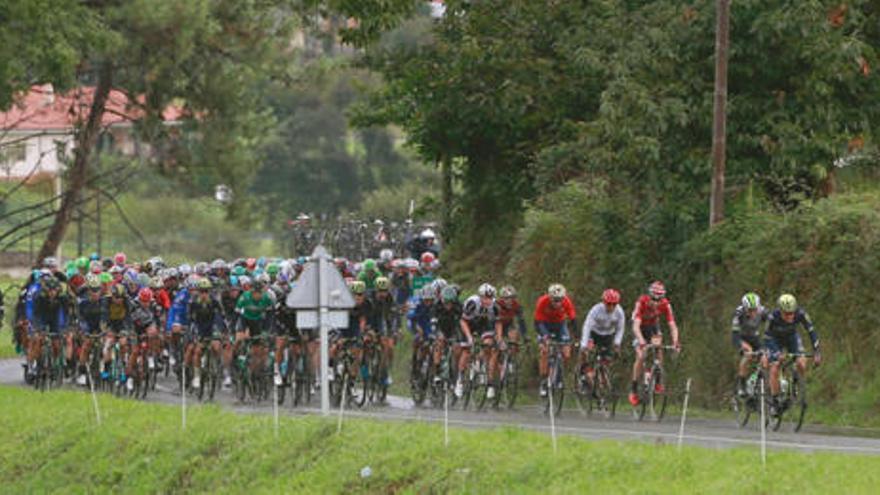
545, 312
508, 311
649, 315
163, 299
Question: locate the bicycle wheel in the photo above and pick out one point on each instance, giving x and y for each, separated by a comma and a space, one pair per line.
556, 391
604, 399
510, 384
583, 393
480, 388
417, 382
799, 399
743, 408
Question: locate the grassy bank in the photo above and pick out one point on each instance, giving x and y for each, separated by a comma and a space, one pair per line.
52, 444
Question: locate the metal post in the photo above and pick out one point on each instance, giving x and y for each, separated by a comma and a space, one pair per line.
92, 389
552, 418
446, 414
325, 346
182, 396
763, 426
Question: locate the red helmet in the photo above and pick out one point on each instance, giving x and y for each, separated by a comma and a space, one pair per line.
657, 290
119, 258
611, 296
427, 258
251, 263
145, 294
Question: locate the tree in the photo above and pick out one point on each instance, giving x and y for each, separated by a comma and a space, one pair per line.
208, 57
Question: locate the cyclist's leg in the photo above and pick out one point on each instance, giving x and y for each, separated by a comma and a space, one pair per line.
775, 354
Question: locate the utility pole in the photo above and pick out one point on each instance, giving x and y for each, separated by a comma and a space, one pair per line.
719, 128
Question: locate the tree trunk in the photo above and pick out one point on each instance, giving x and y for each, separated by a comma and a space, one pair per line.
446, 174
719, 130
86, 139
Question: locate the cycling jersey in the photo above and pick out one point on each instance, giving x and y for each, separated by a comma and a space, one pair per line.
401, 286
50, 313
362, 310
382, 317
600, 322
481, 319
650, 315
118, 314
781, 330
421, 317
545, 312
747, 327
143, 317
206, 316
508, 311
177, 312
93, 315
369, 278
252, 309
447, 317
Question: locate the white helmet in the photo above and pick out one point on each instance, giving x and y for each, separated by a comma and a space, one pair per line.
486, 290
428, 234
556, 291
386, 255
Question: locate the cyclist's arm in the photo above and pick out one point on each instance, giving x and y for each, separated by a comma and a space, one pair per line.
466, 330
807, 323
621, 324
589, 323
673, 327
736, 329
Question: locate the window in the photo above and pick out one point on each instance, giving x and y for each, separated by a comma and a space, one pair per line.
11, 154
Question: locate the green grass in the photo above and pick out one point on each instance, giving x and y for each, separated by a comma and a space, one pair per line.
53, 444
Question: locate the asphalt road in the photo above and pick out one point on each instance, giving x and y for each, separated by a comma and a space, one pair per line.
703, 432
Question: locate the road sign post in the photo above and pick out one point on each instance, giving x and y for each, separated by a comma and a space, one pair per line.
321, 300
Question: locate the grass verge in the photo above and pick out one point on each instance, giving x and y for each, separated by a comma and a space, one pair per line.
52, 444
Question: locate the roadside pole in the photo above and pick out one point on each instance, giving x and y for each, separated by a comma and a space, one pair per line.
684, 410
325, 337
94, 397
763, 426
552, 416
182, 396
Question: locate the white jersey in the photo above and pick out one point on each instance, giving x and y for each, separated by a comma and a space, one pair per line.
600, 322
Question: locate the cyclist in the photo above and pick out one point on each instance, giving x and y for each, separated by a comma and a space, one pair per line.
118, 324
554, 319
646, 327
748, 318
177, 320
446, 317
145, 324
422, 326
603, 329
92, 320
781, 335
358, 318
368, 275
510, 311
206, 322
254, 309
50, 312
479, 317
383, 321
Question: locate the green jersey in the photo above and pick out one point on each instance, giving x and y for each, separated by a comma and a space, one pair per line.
369, 278
251, 309
421, 281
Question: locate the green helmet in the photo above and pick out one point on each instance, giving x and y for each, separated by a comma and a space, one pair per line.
82, 263
358, 287
382, 283
449, 294
369, 265
272, 269
751, 301
204, 284
787, 303
106, 278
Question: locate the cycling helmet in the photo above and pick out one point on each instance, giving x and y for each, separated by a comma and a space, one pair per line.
272, 269
156, 283
428, 234
263, 278
82, 263
382, 283
239, 271
245, 281
386, 255
218, 264
172, 273
50, 262
611, 296
449, 294
233, 281
428, 293
556, 291
118, 290
486, 290
145, 294
185, 270
94, 257
119, 258
427, 258
51, 283
93, 282
116, 270
106, 278
787, 303
201, 268
204, 284
106, 263
508, 291
657, 290
95, 267
368, 265
143, 279
70, 269
261, 262
302, 260
191, 282
751, 300
437, 286
358, 287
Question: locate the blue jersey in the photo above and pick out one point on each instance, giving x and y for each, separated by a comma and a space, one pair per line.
420, 317
30, 296
177, 314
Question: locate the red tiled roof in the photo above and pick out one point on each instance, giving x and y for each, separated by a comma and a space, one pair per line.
43, 110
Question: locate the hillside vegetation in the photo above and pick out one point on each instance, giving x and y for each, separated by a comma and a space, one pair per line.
52, 444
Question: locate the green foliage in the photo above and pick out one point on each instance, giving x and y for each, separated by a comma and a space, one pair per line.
54, 445
825, 254
393, 202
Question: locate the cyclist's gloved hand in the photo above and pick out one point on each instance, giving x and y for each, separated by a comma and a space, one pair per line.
590, 345
817, 358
